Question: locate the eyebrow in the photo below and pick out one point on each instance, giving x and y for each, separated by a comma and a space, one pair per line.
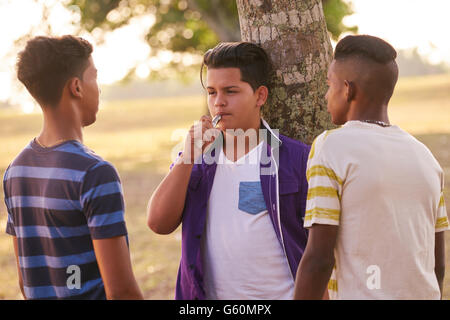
229, 87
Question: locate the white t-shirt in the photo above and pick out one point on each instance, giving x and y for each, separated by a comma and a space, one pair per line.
385, 191
242, 256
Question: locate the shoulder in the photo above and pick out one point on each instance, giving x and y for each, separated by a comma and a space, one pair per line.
331, 141
77, 149
421, 150
96, 169
23, 156
292, 145
333, 135
413, 141
91, 162
5, 176
102, 167
293, 157
101, 178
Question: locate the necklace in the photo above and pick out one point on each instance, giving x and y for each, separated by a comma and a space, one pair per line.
54, 144
380, 123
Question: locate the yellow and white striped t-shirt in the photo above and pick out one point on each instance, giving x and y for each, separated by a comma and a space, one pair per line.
384, 189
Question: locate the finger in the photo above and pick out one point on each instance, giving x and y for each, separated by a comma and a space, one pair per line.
199, 143
191, 132
206, 121
211, 134
206, 117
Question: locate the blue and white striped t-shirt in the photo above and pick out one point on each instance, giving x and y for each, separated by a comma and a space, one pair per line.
59, 199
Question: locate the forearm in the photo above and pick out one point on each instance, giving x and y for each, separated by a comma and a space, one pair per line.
131, 293
22, 290
312, 278
166, 205
20, 280
113, 259
440, 274
439, 256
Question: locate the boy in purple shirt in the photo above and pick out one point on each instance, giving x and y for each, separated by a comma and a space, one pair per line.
241, 202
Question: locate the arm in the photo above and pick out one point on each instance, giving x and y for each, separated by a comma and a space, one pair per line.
317, 263
166, 205
114, 262
439, 256
16, 252
442, 224
165, 208
104, 208
322, 217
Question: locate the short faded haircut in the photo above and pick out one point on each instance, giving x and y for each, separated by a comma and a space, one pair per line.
376, 58
47, 63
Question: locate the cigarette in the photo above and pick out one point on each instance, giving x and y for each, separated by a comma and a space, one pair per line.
216, 120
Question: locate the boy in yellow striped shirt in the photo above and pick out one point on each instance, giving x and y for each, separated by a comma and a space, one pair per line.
375, 205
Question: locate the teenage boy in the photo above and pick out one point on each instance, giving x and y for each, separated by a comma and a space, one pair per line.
375, 204
241, 214
65, 203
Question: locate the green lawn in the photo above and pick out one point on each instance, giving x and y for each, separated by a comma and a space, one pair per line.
136, 136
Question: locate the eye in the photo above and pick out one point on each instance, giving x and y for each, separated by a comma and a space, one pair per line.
210, 93
231, 91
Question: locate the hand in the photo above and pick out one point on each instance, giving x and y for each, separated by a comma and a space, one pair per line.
199, 137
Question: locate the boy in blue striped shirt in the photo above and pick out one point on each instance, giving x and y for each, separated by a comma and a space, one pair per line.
65, 203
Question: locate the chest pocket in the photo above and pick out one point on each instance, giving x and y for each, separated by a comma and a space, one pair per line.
289, 198
251, 198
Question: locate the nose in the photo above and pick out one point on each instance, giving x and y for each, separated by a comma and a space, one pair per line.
220, 100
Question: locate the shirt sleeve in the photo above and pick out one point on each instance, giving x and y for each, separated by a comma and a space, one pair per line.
10, 222
102, 202
10, 226
442, 223
323, 204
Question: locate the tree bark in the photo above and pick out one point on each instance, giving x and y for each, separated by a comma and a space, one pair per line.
294, 34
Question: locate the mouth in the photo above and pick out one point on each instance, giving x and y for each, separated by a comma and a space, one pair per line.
222, 114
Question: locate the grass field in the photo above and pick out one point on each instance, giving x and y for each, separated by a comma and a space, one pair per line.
136, 137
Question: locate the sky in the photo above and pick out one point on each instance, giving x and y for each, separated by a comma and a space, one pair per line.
404, 23
407, 24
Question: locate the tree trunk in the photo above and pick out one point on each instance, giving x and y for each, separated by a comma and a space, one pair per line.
294, 34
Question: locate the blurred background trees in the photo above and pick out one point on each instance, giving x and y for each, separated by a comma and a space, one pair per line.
185, 26
299, 46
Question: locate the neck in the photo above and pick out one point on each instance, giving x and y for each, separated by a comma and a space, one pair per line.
60, 125
238, 145
369, 112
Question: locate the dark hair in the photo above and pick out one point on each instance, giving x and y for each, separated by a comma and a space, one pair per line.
378, 63
46, 63
251, 59
365, 46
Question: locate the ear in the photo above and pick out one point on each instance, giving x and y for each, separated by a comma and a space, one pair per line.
262, 94
350, 90
75, 88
